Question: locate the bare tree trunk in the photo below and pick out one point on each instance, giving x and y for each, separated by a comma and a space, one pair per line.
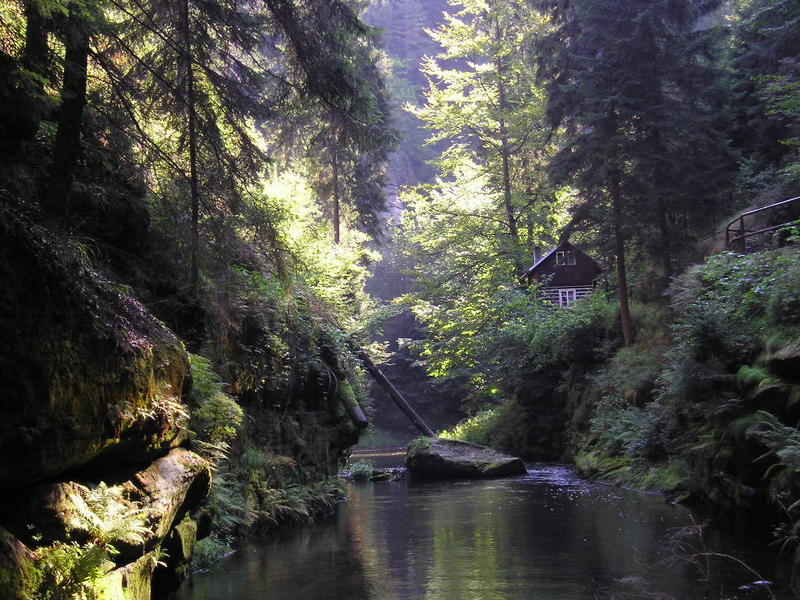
619, 243
666, 245
191, 110
502, 105
663, 222
67, 146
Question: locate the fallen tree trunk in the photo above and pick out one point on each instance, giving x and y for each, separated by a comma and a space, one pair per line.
348, 400
387, 386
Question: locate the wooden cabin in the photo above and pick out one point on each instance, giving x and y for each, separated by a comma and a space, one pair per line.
566, 274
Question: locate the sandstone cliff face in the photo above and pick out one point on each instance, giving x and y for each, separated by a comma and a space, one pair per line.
92, 392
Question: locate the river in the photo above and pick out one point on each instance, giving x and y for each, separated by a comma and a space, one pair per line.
548, 535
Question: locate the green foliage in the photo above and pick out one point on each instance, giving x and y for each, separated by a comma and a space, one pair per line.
66, 570
766, 79
636, 111
360, 470
499, 336
216, 418
209, 552
754, 376
296, 503
729, 306
480, 428
107, 517
781, 439
228, 504
620, 428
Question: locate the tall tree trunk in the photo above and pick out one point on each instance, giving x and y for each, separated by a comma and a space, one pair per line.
67, 146
336, 200
513, 230
191, 111
666, 242
34, 60
661, 207
622, 278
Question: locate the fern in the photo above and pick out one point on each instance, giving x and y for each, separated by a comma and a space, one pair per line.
106, 516
783, 440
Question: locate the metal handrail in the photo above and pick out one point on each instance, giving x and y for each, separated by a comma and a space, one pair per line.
738, 236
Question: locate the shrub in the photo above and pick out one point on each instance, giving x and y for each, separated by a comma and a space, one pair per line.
728, 307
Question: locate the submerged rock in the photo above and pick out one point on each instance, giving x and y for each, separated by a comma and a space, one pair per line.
438, 458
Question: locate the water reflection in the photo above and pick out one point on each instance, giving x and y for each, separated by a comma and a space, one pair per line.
546, 536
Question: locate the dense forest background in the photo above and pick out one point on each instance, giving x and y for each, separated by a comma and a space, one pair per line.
274, 185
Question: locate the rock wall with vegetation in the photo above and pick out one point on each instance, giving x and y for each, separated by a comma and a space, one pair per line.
95, 404
122, 449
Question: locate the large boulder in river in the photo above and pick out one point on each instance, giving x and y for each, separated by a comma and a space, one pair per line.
439, 458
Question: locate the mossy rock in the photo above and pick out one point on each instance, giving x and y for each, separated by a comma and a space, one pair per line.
166, 490
131, 582
15, 567
86, 372
785, 361
179, 548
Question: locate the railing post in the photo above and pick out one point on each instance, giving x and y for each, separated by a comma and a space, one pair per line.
742, 239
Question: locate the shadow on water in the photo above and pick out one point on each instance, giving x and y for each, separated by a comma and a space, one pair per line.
545, 536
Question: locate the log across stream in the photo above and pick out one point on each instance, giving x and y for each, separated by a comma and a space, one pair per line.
547, 535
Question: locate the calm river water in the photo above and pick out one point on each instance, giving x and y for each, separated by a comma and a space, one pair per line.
545, 536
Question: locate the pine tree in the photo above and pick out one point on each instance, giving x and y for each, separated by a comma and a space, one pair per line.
625, 79
226, 73
764, 70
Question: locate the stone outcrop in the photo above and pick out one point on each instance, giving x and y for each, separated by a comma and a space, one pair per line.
145, 518
92, 389
785, 361
438, 458
86, 373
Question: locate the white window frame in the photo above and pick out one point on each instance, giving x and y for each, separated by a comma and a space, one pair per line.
565, 257
567, 296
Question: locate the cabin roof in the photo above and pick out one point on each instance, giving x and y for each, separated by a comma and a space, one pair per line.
562, 246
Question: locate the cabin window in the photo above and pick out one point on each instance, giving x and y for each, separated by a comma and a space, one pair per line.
567, 296
565, 257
